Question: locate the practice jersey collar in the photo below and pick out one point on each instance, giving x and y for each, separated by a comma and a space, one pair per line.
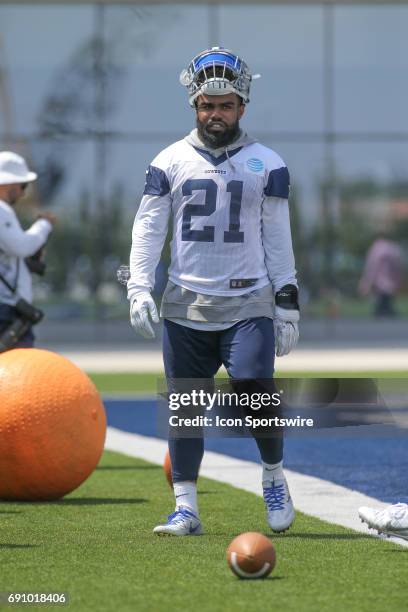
220, 155
216, 161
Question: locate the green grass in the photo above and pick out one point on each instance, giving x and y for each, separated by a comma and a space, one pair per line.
97, 545
125, 383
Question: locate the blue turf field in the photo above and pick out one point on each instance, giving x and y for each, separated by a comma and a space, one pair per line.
374, 464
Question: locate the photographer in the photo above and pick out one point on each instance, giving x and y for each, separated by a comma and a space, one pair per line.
20, 254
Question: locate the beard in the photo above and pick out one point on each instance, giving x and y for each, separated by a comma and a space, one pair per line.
14, 195
215, 140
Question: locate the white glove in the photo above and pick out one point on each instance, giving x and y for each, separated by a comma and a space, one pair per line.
141, 306
286, 330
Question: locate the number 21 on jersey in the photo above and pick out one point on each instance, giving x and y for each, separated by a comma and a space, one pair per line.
233, 233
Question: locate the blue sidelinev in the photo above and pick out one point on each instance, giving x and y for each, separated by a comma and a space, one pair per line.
374, 465
133, 415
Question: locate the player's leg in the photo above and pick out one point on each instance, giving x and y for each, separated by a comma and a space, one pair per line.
187, 354
248, 352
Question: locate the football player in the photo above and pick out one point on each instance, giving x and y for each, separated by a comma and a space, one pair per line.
392, 521
232, 295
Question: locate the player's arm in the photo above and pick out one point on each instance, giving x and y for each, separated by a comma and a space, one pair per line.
148, 237
280, 261
277, 242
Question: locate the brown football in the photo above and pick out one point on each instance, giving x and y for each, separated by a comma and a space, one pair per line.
251, 555
167, 469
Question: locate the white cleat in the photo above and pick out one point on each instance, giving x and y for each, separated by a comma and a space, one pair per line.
279, 505
182, 522
393, 521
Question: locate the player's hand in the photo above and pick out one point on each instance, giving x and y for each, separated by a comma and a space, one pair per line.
286, 330
48, 216
142, 307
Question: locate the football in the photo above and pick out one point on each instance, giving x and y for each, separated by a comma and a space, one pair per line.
167, 469
251, 555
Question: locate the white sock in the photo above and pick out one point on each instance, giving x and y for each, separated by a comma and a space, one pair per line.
271, 471
186, 495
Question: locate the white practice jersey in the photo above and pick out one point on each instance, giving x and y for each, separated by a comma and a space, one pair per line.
218, 205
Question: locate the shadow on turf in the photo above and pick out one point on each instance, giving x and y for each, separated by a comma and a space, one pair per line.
400, 550
319, 536
91, 501
267, 579
18, 546
129, 467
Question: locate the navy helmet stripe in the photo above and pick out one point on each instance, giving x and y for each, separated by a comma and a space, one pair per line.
278, 183
157, 183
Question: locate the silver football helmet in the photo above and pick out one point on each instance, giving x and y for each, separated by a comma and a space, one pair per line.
216, 72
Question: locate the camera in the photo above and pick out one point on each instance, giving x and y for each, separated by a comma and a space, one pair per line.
28, 312
26, 316
35, 263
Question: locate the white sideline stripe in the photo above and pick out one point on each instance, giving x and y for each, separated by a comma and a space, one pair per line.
314, 496
305, 360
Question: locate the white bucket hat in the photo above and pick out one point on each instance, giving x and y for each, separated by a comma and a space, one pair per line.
14, 169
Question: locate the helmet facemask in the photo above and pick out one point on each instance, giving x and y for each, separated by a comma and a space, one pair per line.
217, 72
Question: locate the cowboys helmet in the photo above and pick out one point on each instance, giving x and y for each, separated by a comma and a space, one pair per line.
216, 72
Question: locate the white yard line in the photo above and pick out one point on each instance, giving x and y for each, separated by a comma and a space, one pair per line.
302, 360
314, 496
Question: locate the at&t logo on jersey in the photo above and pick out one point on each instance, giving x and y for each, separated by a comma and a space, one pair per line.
255, 164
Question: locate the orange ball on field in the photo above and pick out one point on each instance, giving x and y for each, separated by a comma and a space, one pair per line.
52, 425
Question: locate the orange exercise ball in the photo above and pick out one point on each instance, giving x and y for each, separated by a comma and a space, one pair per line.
52, 425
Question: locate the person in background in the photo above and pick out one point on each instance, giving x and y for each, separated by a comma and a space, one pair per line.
382, 276
20, 255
